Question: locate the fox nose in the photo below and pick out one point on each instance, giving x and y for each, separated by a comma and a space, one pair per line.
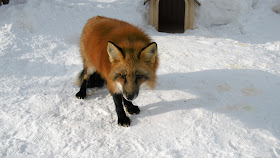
130, 97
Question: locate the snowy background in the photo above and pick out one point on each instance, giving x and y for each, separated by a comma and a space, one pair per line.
217, 93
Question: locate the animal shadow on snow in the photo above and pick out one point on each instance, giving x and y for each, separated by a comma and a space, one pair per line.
251, 96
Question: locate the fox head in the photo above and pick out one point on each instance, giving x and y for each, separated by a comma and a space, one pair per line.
132, 66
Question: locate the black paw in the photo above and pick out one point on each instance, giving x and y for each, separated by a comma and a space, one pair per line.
132, 109
124, 121
5, 1
81, 95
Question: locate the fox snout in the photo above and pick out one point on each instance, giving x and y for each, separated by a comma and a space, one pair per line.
129, 91
130, 97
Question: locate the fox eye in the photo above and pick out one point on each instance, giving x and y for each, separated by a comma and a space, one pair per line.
123, 76
138, 77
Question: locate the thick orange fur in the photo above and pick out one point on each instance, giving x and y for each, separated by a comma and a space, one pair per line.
96, 34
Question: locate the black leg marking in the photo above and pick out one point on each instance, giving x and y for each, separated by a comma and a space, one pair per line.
123, 120
82, 93
95, 80
130, 108
87, 80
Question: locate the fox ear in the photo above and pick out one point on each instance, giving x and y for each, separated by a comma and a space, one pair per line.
114, 52
149, 53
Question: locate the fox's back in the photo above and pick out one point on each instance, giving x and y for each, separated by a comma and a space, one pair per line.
99, 30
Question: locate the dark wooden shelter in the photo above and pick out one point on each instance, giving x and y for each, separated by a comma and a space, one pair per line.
172, 16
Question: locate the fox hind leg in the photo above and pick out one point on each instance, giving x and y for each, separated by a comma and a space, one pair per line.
95, 80
83, 79
5, 1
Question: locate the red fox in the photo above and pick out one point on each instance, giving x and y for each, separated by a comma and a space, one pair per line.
122, 56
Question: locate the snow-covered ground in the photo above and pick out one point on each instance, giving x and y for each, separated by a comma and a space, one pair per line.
217, 93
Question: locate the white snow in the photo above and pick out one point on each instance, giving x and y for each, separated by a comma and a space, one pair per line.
217, 93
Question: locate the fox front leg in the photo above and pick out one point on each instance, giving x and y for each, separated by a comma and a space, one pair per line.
130, 108
123, 120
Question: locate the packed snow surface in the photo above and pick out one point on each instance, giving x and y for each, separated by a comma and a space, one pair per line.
218, 90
